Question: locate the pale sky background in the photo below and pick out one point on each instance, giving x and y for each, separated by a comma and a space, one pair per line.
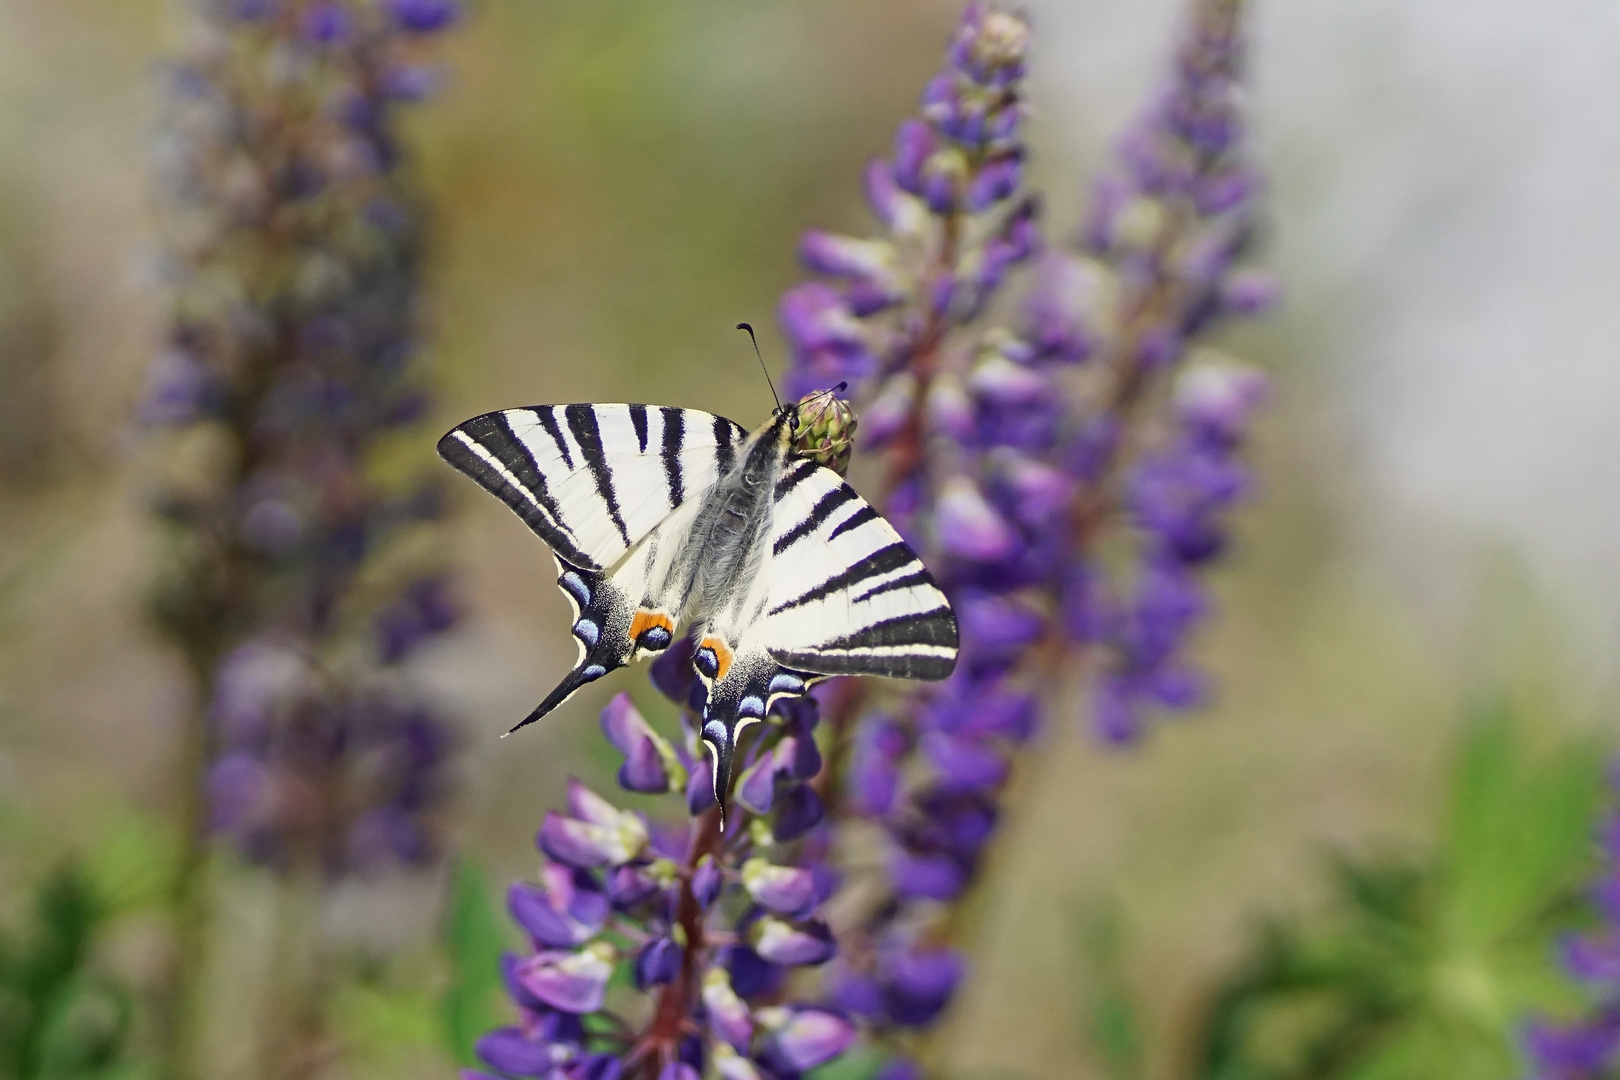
1445, 201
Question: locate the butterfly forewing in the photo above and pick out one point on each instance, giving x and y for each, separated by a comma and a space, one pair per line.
848, 596
592, 480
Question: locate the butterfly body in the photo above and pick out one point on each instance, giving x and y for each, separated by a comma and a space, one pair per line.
661, 517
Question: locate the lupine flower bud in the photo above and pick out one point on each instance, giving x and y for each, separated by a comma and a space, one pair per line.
826, 430
798, 810
706, 881
600, 834
926, 877
969, 527
510, 1051
920, 983
797, 945
729, 1065
550, 928
658, 962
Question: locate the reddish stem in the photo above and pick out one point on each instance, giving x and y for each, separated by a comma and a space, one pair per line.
659, 1043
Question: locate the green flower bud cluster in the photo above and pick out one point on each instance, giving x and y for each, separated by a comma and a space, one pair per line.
826, 430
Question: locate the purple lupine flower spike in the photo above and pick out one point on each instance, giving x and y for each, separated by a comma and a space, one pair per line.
296, 584
1005, 470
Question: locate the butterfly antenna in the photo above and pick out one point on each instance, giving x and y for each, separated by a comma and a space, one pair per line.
762, 367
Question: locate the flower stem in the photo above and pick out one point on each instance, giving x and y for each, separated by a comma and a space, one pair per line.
658, 1045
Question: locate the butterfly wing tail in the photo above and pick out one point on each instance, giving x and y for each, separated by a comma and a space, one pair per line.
602, 620
740, 698
580, 676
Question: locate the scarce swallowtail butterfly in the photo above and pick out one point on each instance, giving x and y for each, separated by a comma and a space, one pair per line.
661, 518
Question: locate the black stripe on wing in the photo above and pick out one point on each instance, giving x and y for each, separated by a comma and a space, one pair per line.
819, 515
885, 560
905, 581
674, 442
509, 473
801, 471
854, 521
917, 646
934, 627
587, 432
547, 416
929, 666
725, 450
638, 420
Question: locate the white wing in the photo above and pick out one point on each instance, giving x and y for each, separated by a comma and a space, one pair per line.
848, 596
840, 593
599, 483
592, 480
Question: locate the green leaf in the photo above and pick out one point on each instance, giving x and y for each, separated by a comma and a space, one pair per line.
59, 1020
474, 937
1520, 828
1111, 1019
859, 1063
1425, 967
134, 864
384, 1027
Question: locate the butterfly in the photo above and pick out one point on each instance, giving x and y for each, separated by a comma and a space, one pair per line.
660, 517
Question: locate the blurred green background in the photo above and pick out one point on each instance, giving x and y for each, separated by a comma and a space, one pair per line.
617, 184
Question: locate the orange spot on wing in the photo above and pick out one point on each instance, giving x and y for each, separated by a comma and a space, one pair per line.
646, 620
722, 656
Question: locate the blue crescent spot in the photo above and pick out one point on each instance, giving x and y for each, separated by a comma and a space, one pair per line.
587, 631
751, 706
595, 671
783, 683
655, 638
707, 662
715, 730
576, 587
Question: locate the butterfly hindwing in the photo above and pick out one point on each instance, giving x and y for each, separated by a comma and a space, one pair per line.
839, 593
592, 480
